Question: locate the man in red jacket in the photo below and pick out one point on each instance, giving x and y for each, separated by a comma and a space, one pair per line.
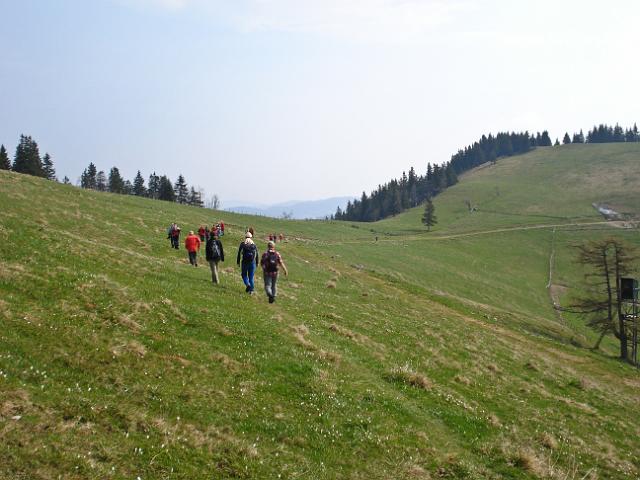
192, 244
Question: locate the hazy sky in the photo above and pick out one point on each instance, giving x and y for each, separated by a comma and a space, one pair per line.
272, 100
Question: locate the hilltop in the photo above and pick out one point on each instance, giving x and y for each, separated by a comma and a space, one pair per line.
419, 355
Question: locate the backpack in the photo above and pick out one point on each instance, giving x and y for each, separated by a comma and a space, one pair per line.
214, 250
271, 262
249, 253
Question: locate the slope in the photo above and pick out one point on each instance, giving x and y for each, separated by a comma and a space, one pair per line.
119, 360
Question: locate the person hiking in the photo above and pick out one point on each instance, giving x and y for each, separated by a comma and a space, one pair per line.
169, 232
201, 233
249, 254
174, 234
271, 262
221, 228
192, 244
214, 254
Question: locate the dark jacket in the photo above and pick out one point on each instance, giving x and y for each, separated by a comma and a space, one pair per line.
243, 247
209, 249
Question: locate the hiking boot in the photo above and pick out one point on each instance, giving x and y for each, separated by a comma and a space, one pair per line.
247, 289
272, 299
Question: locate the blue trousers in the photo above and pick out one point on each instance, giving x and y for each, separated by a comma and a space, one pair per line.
248, 270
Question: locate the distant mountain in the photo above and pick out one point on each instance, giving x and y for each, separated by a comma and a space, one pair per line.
296, 209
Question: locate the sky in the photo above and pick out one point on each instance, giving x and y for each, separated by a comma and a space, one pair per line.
264, 101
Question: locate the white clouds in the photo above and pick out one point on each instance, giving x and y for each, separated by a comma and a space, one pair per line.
361, 20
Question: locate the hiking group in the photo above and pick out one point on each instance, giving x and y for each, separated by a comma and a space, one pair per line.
247, 258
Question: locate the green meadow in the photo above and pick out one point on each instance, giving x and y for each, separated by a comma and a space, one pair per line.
391, 351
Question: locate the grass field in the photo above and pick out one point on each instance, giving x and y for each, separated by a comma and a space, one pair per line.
422, 355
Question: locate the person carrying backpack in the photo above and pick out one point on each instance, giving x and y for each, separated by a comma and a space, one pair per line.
175, 236
192, 244
249, 254
214, 254
201, 233
271, 262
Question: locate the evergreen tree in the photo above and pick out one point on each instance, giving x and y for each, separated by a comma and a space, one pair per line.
566, 140
88, 179
116, 182
545, 140
195, 198
27, 157
429, 217
47, 167
5, 164
154, 186
556, 143
165, 189
138, 185
101, 181
66, 180
127, 188
181, 190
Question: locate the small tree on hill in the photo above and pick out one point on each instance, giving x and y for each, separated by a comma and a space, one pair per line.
27, 157
429, 217
138, 185
88, 179
165, 189
606, 261
566, 139
101, 181
154, 186
116, 182
47, 167
181, 190
195, 198
66, 180
5, 164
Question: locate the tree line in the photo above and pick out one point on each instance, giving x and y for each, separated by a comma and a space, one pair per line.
411, 190
27, 160
159, 187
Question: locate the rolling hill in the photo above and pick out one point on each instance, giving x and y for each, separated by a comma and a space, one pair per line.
414, 355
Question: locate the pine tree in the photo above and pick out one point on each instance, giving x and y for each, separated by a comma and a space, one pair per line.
5, 164
566, 140
181, 190
165, 189
195, 198
154, 186
429, 217
66, 180
47, 167
138, 185
101, 181
116, 183
27, 157
88, 179
127, 189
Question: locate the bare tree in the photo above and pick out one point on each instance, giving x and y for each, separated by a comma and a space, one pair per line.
214, 202
287, 215
606, 260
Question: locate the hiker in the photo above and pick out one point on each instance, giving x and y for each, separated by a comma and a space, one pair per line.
170, 231
207, 233
249, 254
192, 244
201, 233
221, 228
271, 262
215, 254
174, 235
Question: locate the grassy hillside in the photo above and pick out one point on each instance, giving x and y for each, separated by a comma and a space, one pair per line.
418, 356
